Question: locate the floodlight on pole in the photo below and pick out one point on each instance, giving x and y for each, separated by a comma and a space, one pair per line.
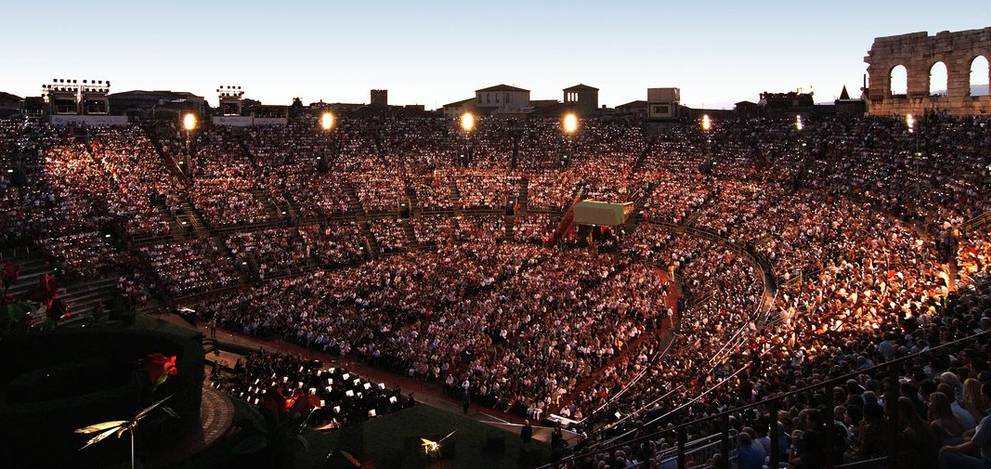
467, 121
188, 124
706, 122
189, 121
570, 123
327, 120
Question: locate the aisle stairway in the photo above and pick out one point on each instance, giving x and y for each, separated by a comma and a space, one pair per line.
373, 246
524, 194
457, 194
693, 217
273, 210
412, 242
414, 203
187, 216
82, 296
170, 163
353, 201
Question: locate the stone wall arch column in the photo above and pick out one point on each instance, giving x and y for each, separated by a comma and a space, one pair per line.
879, 74
958, 74
918, 77
918, 52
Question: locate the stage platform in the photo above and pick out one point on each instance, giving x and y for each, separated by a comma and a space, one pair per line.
216, 418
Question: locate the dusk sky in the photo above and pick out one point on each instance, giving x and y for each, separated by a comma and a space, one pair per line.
435, 52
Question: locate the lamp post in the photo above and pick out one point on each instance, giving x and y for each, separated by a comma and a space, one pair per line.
569, 124
189, 122
706, 127
328, 121
467, 122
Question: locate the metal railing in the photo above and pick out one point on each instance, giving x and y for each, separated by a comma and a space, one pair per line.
979, 222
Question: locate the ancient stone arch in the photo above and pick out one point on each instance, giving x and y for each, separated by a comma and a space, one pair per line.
897, 77
980, 73
938, 79
918, 52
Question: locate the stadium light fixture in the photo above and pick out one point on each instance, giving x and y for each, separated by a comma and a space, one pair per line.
467, 121
189, 122
327, 120
798, 122
910, 122
706, 122
570, 123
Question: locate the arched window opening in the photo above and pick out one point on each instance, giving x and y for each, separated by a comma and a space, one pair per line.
937, 79
980, 75
899, 81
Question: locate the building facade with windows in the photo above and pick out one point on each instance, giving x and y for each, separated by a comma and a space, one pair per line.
502, 99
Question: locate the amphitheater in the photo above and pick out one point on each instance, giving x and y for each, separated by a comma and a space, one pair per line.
764, 275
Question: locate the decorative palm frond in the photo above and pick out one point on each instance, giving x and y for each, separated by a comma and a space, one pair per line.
120, 427
446, 437
102, 436
101, 426
150, 408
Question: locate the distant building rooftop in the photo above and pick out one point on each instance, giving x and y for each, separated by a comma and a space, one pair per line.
166, 94
581, 87
501, 88
459, 103
9, 98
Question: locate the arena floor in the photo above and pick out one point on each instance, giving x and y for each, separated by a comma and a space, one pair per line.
425, 393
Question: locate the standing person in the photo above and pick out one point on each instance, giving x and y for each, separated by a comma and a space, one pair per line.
526, 433
465, 396
557, 443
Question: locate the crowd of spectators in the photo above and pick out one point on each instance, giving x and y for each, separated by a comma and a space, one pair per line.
147, 193
336, 243
799, 254
274, 251
186, 268
84, 254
